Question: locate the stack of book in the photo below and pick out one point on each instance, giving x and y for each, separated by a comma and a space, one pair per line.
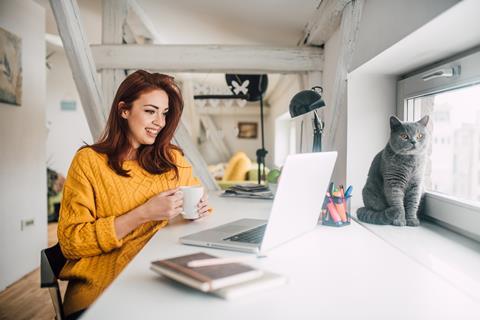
249, 190
228, 281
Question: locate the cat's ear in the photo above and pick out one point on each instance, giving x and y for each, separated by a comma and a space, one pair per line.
394, 122
424, 121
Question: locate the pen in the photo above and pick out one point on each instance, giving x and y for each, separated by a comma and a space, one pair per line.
324, 208
344, 200
330, 188
348, 192
217, 261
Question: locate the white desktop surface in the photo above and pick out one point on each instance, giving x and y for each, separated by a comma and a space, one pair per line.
334, 273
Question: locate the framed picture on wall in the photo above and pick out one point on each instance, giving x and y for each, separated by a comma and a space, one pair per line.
10, 68
247, 130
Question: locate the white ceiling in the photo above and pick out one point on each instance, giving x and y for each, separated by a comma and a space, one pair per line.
265, 22
276, 22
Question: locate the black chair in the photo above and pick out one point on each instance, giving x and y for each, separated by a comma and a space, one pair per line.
51, 263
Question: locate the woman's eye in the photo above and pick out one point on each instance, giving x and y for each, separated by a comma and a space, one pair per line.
419, 136
404, 136
150, 111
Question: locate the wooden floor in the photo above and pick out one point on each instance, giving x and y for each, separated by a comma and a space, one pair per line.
24, 299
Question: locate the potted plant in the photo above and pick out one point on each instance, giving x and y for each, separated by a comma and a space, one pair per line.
272, 178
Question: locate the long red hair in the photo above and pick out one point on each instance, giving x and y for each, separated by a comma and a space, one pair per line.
156, 158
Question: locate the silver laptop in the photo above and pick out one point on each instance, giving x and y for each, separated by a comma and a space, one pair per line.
295, 211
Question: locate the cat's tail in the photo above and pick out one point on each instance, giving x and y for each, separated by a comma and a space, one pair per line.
376, 217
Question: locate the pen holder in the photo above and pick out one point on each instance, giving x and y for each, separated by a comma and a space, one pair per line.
336, 212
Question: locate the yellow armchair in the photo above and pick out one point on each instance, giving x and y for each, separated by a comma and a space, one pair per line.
237, 167
240, 169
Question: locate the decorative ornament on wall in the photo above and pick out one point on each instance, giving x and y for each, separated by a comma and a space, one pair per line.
208, 89
10, 68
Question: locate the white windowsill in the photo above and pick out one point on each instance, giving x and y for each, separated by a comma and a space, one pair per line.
451, 256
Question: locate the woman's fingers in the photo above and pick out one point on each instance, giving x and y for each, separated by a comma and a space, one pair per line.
169, 192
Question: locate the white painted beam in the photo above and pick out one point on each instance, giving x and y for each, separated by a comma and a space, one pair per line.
324, 22
67, 16
209, 58
114, 17
141, 26
349, 34
232, 111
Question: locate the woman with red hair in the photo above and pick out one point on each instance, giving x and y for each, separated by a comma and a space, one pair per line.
122, 189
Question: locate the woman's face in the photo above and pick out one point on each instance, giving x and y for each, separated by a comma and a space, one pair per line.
146, 117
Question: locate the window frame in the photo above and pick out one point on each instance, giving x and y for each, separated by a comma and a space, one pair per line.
440, 207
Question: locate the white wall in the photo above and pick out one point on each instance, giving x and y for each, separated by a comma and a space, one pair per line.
228, 125
23, 182
67, 130
279, 101
385, 22
371, 101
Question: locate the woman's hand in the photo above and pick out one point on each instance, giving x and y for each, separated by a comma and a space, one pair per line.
163, 206
202, 206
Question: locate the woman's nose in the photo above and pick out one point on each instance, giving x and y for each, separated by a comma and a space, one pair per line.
159, 120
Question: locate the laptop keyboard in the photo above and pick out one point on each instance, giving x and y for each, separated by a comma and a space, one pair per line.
254, 235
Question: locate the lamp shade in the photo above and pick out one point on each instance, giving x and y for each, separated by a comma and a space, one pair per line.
305, 101
253, 86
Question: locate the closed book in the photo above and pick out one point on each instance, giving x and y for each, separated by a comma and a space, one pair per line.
267, 281
206, 278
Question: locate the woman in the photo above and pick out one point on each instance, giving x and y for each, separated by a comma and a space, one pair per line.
124, 188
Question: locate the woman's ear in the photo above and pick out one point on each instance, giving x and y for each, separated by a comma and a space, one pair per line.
122, 107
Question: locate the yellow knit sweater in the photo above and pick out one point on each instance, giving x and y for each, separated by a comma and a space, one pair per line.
93, 196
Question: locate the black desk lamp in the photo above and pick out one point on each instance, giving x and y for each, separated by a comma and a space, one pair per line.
304, 102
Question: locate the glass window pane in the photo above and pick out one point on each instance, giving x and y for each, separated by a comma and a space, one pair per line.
454, 160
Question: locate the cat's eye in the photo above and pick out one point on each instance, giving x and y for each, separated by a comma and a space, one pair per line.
419, 136
404, 136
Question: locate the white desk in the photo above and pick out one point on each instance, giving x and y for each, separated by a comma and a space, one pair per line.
341, 273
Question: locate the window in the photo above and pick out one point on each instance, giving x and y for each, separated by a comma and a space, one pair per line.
450, 93
285, 138
455, 117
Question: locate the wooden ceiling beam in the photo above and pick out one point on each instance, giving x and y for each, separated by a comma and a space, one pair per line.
324, 22
208, 58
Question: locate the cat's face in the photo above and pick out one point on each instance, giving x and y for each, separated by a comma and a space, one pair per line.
409, 137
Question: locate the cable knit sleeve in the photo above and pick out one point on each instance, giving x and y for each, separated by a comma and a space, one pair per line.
80, 232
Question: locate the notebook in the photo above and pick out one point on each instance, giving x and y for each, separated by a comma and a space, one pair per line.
206, 278
295, 211
268, 280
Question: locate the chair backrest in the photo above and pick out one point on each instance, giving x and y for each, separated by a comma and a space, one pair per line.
51, 263
237, 167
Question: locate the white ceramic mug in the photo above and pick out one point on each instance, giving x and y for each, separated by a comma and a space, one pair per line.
191, 198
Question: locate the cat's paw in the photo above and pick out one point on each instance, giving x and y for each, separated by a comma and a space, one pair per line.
393, 213
399, 222
413, 222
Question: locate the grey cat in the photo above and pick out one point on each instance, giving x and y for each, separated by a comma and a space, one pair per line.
395, 180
